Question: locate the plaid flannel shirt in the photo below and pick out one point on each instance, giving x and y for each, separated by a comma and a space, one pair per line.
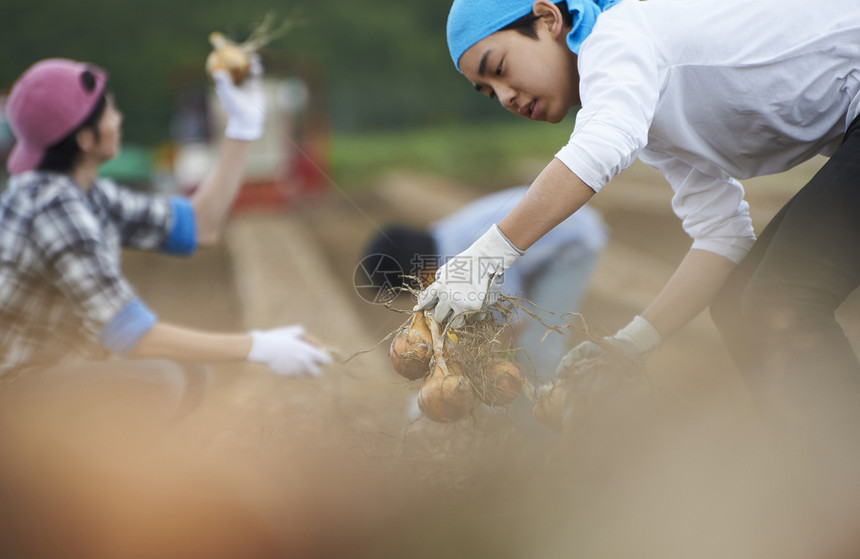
61, 283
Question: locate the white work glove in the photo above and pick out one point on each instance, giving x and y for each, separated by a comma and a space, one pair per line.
244, 104
469, 282
635, 341
286, 352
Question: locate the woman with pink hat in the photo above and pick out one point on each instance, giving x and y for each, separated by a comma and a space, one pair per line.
65, 306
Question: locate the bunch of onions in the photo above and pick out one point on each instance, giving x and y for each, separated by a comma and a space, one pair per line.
420, 350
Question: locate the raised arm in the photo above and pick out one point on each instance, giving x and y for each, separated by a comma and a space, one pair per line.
246, 116
212, 200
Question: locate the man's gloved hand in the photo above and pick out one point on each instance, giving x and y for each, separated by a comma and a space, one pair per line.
286, 352
469, 282
636, 341
244, 104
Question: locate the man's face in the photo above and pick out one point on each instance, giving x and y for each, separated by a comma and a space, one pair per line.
533, 78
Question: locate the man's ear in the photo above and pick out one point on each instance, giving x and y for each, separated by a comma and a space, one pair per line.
86, 138
550, 16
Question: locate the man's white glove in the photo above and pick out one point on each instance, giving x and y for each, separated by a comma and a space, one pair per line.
469, 282
244, 104
636, 341
286, 352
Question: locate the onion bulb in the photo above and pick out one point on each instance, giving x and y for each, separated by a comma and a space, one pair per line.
412, 348
503, 381
228, 56
446, 398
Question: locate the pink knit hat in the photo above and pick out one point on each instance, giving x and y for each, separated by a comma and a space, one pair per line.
47, 103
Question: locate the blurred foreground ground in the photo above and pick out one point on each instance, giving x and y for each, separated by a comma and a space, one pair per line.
270, 467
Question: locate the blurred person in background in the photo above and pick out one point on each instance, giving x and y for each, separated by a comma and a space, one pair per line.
68, 316
553, 275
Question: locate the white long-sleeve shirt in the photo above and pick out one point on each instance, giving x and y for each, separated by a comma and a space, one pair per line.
710, 91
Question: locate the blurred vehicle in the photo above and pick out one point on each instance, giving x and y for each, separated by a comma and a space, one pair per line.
288, 164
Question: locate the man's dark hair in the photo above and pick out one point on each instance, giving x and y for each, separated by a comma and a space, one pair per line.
396, 251
63, 155
526, 24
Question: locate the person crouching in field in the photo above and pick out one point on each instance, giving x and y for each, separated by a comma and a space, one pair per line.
707, 92
65, 307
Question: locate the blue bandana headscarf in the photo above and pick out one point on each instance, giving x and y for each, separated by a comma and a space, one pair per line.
469, 21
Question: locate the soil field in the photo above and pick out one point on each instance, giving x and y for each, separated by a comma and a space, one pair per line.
490, 486
333, 467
